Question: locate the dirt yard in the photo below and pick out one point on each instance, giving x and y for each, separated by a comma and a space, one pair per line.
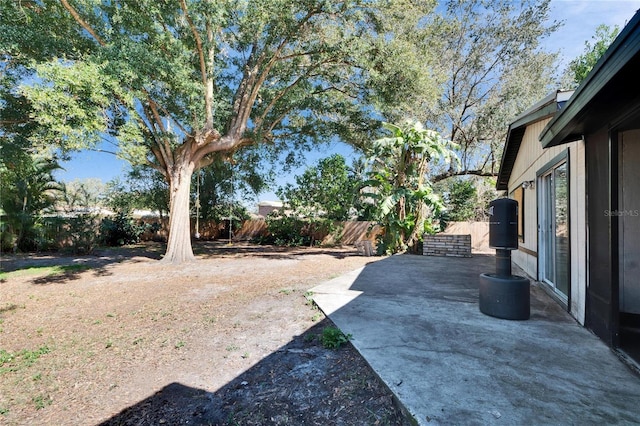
118, 339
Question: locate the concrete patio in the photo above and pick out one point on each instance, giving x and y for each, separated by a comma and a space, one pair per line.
416, 321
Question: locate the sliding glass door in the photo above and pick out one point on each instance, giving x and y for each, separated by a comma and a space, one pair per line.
553, 229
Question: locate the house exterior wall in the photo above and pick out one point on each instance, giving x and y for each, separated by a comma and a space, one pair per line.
266, 207
531, 160
629, 220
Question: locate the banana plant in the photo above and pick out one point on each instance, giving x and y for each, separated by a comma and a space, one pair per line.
399, 184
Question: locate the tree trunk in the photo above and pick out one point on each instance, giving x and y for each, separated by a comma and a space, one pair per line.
418, 229
179, 244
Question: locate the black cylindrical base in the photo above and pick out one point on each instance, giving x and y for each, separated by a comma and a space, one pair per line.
505, 297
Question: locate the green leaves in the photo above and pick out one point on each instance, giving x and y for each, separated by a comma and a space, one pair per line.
488, 62
28, 191
70, 103
327, 190
413, 140
399, 183
305, 70
580, 67
333, 338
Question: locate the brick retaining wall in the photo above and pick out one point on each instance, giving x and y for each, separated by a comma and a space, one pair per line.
447, 245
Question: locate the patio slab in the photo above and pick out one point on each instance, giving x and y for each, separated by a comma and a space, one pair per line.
416, 321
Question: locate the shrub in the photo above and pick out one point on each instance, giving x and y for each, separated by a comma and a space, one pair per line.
121, 230
82, 233
293, 231
284, 230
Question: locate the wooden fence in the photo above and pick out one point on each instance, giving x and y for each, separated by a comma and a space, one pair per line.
479, 232
348, 233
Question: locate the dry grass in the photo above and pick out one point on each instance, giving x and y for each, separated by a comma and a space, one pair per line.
81, 345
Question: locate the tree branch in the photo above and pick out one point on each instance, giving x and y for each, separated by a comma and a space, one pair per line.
15, 121
450, 173
82, 22
279, 96
103, 150
297, 55
206, 81
254, 79
162, 144
225, 143
162, 167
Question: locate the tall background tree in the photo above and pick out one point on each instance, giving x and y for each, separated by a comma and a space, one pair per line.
328, 190
580, 67
28, 192
490, 68
175, 83
323, 195
142, 187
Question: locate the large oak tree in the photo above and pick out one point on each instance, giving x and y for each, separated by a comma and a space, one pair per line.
176, 83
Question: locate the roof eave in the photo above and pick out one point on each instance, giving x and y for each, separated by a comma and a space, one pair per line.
564, 126
539, 111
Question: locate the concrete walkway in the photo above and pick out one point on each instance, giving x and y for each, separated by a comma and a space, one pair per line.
416, 321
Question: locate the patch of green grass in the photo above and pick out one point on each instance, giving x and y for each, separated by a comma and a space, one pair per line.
232, 348
4, 411
333, 338
286, 291
180, 344
308, 295
41, 401
317, 316
43, 270
8, 307
16, 361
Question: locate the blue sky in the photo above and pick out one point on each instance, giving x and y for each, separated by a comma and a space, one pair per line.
580, 17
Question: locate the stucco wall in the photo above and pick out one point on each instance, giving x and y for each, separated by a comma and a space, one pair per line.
532, 159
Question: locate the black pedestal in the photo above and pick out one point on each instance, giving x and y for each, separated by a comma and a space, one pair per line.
505, 297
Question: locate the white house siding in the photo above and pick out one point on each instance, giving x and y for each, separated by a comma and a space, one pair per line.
530, 160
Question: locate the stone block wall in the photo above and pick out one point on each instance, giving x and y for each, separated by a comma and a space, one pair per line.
447, 245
